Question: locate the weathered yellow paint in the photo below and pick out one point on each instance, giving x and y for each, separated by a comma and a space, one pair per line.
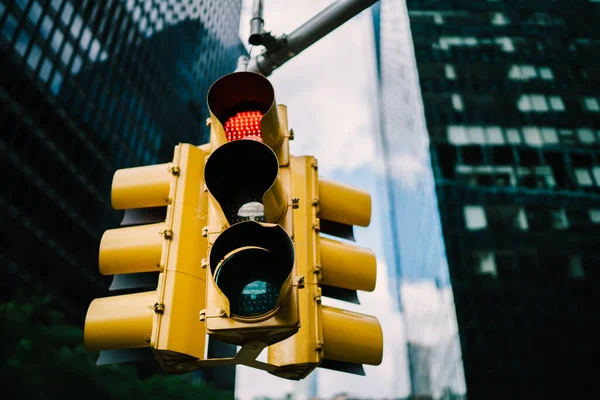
141, 187
347, 266
119, 322
344, 204
351, 337
132, 249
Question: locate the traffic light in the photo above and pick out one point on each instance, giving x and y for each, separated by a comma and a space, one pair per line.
233, 231
329, 337
166, 318
251, 289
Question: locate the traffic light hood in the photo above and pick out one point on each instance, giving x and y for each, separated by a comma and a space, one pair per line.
244, 172
240, 92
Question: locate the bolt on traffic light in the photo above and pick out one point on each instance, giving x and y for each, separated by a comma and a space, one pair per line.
252, 291
164, 319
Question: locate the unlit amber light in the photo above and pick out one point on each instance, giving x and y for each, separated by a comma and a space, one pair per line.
245, 124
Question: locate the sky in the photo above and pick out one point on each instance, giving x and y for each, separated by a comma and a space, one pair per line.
330, 91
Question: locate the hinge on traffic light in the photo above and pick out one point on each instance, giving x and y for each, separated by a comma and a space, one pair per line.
295, 203
291, 137
300, 282
167, 234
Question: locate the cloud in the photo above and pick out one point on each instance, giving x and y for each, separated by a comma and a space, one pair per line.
429, 311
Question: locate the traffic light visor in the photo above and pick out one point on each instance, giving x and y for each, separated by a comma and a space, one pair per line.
243, 103
240, 173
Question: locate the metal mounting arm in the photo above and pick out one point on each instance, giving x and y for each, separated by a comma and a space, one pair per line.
286, 47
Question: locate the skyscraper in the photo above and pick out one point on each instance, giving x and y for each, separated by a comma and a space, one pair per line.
88, 87
510, 99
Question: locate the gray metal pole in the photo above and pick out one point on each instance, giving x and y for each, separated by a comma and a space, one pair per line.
319, 26
256, 23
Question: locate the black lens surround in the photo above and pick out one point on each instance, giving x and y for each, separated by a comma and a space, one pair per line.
250, 280
250, 263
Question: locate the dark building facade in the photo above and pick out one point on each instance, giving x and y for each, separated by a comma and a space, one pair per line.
87, 87
511, 98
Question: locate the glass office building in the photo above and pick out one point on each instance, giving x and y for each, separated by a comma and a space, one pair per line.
414, 248
87, 87
510, 94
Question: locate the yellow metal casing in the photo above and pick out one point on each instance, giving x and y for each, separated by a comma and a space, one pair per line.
141, 187
119, 322
178, 332
299, 355
284, 319
344, 204
238, 173
351, 337
167, 319
132, 249
328, 336
347, 266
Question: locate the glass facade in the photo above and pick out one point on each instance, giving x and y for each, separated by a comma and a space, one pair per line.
87, 87
511, 108
414, 248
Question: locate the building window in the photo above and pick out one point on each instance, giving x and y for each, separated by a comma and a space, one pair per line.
450, 73
457, 102
546, 73
527, 72
549, 135
506, 217
536, 177
532, 136
591, 104
506, 44
475, 218
522, 72
583, 177
485, 264
499, 19
539, 103
447, 41
596, 173
486, 175
595, 215
494, 135
576, 270
586, 136
556, 103
513, 136
457, 135
476, 134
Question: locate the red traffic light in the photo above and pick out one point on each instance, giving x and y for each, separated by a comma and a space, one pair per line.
244, 125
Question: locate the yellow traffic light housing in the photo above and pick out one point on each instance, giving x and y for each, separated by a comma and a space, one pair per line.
329, 337
252, 291
233, 229
166, 319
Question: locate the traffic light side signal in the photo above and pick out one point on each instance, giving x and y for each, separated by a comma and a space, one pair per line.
329, 337
165, 319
